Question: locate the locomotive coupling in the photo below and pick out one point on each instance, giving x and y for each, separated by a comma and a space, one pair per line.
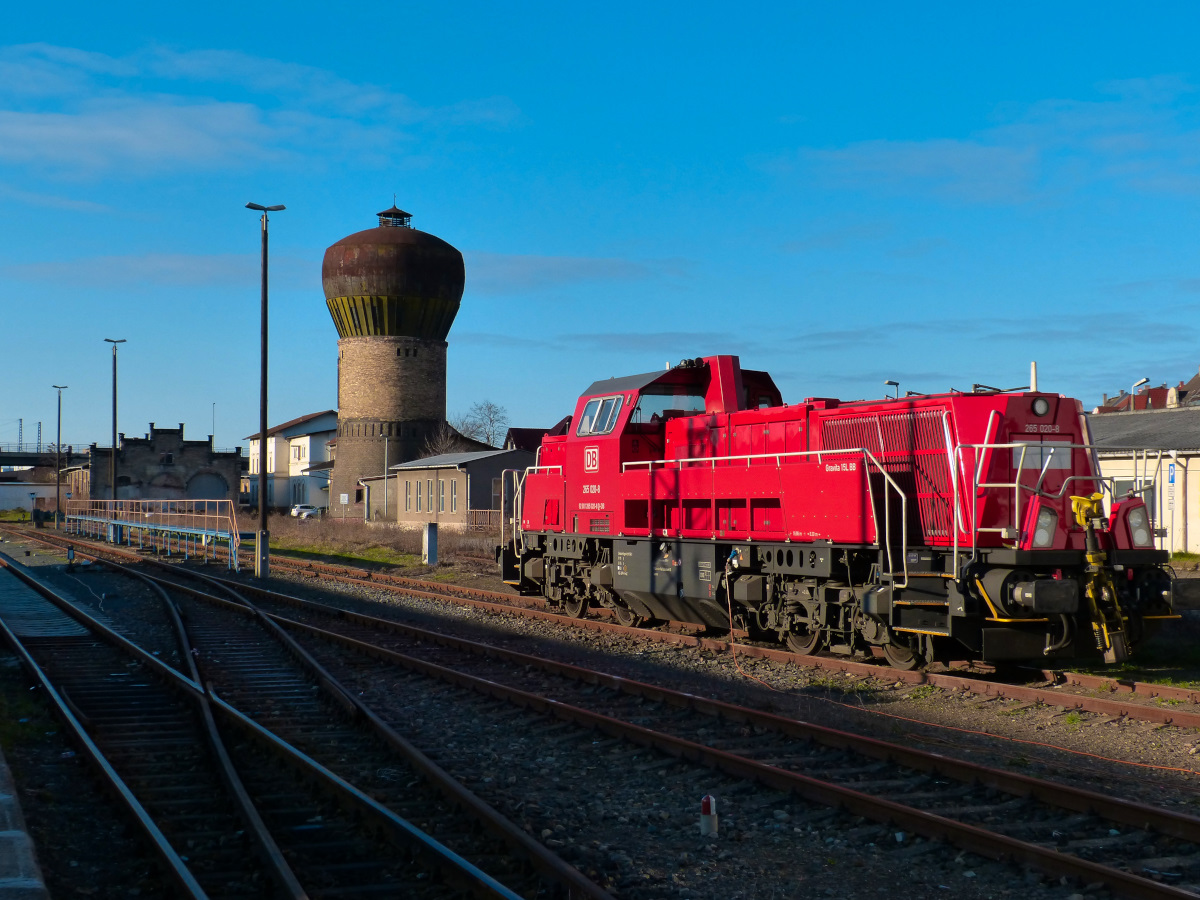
1108, 620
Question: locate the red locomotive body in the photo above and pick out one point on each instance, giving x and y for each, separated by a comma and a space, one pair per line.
952, 525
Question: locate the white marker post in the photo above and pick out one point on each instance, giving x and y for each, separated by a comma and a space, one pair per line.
708, 815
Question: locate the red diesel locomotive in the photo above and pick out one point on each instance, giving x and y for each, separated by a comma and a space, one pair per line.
959, 525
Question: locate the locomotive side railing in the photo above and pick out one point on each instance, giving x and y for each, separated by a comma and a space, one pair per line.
1014, 533
890, 486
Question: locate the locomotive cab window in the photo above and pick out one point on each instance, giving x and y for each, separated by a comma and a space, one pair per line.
1039, 456
599, 416
661, 401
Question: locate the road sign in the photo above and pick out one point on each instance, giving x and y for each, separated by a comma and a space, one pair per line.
1171, 473
345, 499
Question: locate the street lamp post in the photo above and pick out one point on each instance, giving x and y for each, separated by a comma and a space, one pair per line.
112, 468
896, 385
262, 550
1133, 391
58, 455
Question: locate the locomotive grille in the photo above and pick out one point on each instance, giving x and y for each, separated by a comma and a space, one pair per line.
911, 447
599, 525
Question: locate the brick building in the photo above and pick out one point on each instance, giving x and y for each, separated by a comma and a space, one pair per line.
393, 293
162, 465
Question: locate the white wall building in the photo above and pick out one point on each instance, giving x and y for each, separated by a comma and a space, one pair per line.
1166, 452
293, 448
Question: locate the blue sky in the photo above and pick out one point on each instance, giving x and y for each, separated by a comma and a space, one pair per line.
839, 193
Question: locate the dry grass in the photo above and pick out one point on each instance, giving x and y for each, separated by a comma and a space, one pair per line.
355, 541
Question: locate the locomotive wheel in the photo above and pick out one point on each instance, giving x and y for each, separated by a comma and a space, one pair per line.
901, 657
576, 607
808, 643
627, 617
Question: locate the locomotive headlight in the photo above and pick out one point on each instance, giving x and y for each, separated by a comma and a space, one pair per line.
1043, 532
1041, 406
1139, 528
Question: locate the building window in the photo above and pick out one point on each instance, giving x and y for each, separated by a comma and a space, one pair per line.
418, 495
441, 495
495, 493
407, 496
295, 452
454, 496
429, 490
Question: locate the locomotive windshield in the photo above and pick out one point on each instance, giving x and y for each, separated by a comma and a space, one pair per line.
1041, 456
656, 400
599, 416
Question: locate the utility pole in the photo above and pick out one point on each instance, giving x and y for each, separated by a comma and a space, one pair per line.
112, 468
58, 457
262, 553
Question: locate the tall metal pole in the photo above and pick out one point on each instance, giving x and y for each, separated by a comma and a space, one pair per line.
262, 558
385, 475
58, 456
262, 552
112, 468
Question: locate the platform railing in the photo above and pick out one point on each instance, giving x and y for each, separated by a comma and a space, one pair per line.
195, 525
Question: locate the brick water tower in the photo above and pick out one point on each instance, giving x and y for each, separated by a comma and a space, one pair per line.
393, 293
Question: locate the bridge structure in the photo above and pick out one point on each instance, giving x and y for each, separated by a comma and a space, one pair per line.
195, 526
28, 454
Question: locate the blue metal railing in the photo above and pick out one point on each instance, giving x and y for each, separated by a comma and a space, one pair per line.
195, 526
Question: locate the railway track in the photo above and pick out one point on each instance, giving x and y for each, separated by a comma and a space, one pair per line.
1114, 697
1134, 849
319, 835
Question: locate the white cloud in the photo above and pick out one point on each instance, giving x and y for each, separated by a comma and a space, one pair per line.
1143, 135
175, 270
82, 113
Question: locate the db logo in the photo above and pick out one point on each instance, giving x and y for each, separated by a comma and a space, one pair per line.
591, 459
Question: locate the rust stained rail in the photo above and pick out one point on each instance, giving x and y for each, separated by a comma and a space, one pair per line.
1109, 706
176, 868
1137, 814
453, 866
967, 837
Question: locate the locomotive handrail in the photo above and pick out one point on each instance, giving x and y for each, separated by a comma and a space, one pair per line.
1106, 483
885, 544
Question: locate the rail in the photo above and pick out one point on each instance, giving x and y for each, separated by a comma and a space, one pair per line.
1014, 533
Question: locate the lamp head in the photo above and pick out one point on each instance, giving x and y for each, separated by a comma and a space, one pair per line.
1138, 384
261, 208
60, 387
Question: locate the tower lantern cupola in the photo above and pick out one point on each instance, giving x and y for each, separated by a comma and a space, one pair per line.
395, 217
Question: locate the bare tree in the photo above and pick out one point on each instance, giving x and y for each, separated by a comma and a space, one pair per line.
490, 420
444, 439
467, 426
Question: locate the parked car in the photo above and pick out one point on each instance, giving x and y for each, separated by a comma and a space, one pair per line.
305, 511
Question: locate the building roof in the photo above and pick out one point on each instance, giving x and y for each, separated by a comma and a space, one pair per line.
293, 423
524, 438
450, 460
319, 467
1155, 429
